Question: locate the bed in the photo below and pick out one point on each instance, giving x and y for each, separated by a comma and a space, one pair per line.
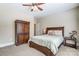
48, 44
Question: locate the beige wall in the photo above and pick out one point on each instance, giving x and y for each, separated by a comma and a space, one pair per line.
78, 18
8, 14
68, 19
78, 22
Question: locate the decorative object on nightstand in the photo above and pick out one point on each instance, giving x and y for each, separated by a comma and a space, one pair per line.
71, 41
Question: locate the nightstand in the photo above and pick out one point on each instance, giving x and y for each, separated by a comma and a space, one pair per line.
71, 42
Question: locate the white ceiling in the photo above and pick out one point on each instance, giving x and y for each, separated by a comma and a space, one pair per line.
50, 8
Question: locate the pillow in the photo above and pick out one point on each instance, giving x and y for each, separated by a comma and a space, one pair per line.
58, 32
50, 32
55, 32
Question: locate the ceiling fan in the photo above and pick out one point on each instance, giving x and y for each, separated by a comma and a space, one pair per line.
32, 5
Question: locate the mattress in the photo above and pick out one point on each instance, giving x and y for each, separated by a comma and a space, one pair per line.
51, 42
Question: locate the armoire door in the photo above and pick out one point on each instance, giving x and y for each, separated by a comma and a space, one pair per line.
21, 32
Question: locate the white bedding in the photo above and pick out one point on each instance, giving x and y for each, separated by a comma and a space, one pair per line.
51, 42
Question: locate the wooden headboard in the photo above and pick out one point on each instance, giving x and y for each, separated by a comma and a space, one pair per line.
55, 28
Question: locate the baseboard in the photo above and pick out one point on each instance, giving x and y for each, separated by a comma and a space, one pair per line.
6, 44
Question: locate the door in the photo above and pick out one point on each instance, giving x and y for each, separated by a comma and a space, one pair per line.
34, 29
21, 32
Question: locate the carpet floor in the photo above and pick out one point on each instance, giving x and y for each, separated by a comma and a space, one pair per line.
25, 50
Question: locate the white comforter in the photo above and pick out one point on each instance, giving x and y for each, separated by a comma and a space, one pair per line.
51, 42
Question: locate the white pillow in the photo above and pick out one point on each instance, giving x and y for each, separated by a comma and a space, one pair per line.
58, 32
50, 32
55, 32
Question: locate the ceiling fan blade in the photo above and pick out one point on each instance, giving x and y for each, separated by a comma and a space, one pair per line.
40, 8
27, 5
33, 4
39, 3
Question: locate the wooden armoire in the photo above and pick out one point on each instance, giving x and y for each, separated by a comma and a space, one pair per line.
22, 29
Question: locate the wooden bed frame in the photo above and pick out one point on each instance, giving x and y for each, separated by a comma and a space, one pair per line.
44, 49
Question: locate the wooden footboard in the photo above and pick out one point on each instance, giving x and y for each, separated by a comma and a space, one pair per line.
42, 49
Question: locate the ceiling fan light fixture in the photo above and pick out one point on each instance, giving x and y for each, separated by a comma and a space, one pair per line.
34, 8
